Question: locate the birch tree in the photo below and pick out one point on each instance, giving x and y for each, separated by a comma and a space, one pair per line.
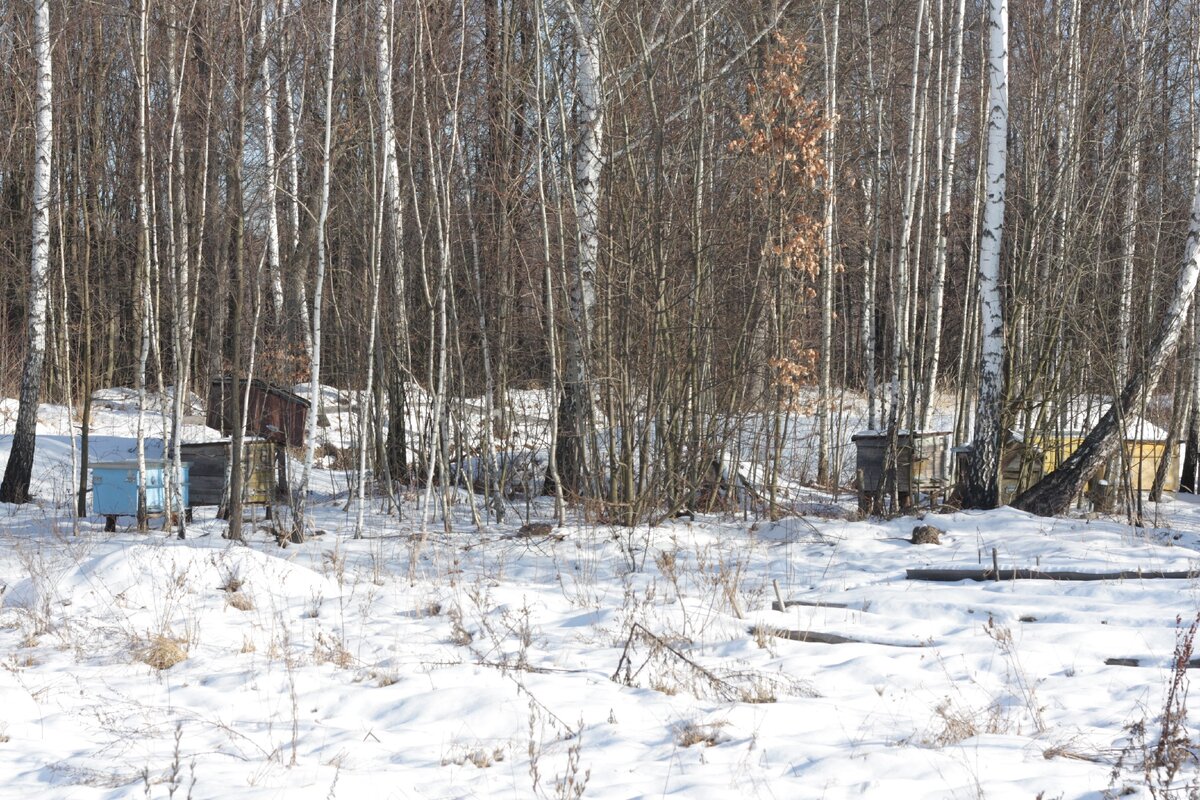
270, 166
982, 472
19, 470
947, 145
1133, 187
314, 386
179, 257
902, 286
144, 310
575, 404
393, 220
828, 261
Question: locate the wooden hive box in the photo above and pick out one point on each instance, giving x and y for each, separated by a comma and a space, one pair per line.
209, 463
1137, 462
272, 412
115, 489
921, 460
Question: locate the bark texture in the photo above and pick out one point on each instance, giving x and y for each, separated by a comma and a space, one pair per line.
575, 405
982, 483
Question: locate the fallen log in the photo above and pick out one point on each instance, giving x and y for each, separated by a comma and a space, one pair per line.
806, 603
817, 637
1137, 662
950, 575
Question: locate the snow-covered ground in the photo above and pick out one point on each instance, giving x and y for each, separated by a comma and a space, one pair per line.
596, 662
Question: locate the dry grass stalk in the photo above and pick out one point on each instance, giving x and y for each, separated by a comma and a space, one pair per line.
161, 651
240, 601
693, 733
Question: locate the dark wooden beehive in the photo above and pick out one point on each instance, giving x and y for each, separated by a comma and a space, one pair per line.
209, 467
921, 462
273, 412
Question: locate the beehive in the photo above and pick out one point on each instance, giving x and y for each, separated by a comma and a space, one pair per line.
209, 462
920, 459
115, 489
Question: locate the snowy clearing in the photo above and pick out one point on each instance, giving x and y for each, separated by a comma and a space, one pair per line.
597, 661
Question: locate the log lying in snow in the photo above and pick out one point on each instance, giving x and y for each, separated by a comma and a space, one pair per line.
950, 575
808, 603
1137, 662
821, 638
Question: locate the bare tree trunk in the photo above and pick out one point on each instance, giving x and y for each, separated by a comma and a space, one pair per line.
441, 169
1133, 187
19, 470
552, 479
179, 257
574, 410
314, 388
828, 261
872, 230
982, 484
901, 290
947, 151
238, 294
270, 165
144, 256
291, 114
397, 445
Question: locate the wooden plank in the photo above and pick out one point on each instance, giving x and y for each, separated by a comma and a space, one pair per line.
952, 575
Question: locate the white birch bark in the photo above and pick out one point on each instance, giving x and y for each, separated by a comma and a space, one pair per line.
292, 111
366, 405
1129, 221
310, 442
589, 162
871, 227
178, 248
588, 158
947, 151
441, 168
394, 217
982, 486
543, 137
270, 164
901, 342
828, 262
387, 129
19, 470
144, 245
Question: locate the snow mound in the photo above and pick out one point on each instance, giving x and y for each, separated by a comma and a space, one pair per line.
140, 576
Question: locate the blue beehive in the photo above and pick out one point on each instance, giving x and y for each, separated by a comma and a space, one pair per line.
115, 488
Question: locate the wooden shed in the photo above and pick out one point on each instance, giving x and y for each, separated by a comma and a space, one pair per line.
274, 413
921, 461
265, 471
